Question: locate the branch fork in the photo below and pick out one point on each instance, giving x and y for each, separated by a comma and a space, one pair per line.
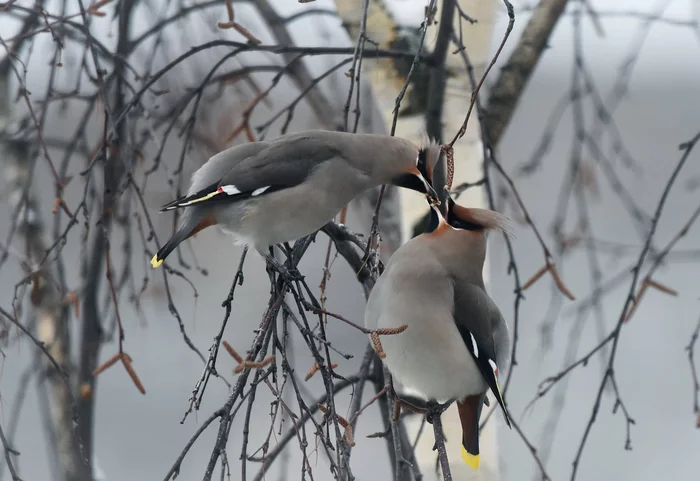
244, 364
126, 362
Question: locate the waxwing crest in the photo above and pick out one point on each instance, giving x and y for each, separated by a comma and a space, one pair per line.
473, 218
431, 151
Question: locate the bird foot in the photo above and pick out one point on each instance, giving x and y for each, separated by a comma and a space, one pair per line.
435, 409
408, 406
403, 404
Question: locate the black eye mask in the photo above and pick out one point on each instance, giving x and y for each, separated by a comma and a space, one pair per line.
422, 165
451, 219
458, 223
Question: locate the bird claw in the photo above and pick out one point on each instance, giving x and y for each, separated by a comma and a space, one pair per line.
434, 409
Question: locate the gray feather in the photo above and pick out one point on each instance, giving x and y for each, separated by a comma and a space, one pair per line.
479, 315
221, 164
434, 285
281, 164
283, 189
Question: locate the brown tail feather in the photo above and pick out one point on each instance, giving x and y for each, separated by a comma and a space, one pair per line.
469, 412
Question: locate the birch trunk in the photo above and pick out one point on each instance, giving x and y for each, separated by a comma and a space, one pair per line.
18, 155
468, 168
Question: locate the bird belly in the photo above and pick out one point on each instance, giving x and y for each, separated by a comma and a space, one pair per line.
431, 358
287, 215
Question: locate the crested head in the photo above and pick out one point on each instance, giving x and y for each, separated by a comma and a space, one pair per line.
429, 154
459, 218
471, 218
400, 162
457, 236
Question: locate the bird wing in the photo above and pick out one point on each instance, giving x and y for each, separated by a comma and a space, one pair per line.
280, 165
480, 322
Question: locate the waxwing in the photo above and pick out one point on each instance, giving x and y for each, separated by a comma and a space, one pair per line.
456, 339
269, 192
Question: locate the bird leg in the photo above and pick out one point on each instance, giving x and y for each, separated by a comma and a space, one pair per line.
432, 411
435, 409
408, 406
402, 403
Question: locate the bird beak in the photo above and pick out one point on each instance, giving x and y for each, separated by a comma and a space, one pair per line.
430, 192
439, 214
415, 180
425, 172
436, 220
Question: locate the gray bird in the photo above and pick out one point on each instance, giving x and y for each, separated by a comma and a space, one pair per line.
456, 339
280, 190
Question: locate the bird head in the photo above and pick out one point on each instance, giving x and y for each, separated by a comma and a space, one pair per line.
417, 171
417, 177
459, 218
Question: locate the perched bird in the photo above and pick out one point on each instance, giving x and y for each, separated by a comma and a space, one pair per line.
280, 190
456, 339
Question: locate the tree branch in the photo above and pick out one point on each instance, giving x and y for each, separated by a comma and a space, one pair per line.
509, 87
46, 299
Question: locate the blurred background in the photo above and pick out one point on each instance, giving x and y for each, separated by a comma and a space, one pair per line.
591, 146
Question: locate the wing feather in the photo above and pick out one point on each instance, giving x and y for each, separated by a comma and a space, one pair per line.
280, 165
480, 337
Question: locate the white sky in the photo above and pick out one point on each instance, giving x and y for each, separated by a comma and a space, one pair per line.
667, 44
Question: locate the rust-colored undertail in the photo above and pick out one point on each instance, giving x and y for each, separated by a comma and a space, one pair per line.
469, 412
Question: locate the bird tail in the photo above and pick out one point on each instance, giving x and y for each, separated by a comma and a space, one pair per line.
189, 226
469, 413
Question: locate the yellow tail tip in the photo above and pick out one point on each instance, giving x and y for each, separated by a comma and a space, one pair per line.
472, 460
155, 262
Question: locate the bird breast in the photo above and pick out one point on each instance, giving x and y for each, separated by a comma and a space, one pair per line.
430, 355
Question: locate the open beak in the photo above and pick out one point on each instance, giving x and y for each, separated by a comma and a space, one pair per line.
425, 173
430, 192
436, 219
415, 180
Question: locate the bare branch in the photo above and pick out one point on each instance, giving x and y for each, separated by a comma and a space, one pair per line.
505, 94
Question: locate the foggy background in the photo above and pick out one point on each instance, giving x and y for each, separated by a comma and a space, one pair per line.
139, 437
659, 111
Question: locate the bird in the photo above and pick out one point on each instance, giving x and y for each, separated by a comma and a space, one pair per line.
269, 192
456, 338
